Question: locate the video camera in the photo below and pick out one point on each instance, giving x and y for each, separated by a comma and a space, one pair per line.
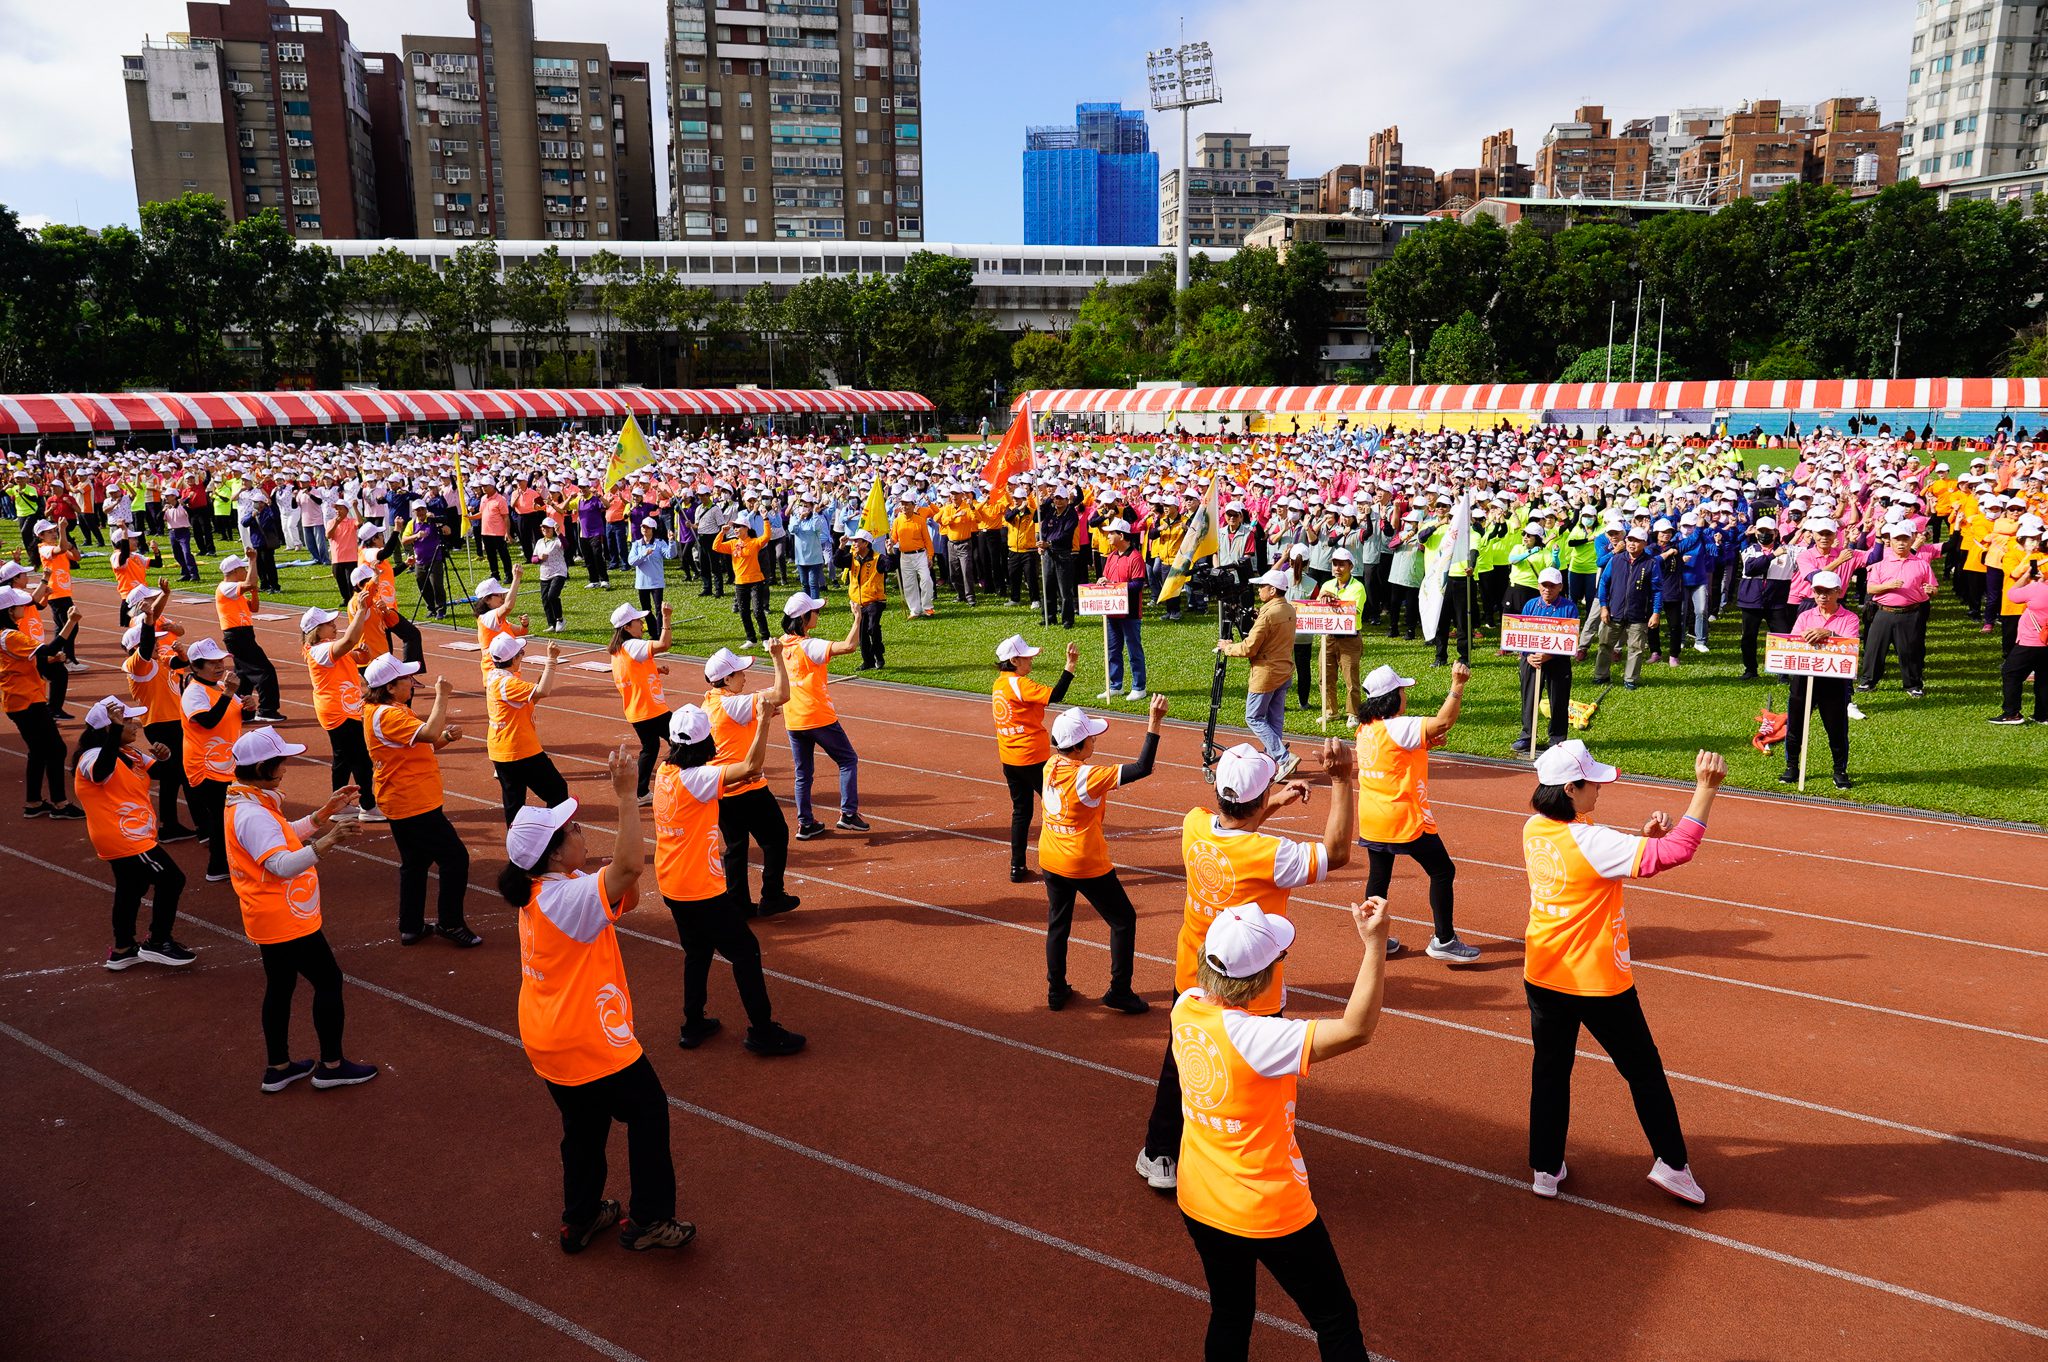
1230, 587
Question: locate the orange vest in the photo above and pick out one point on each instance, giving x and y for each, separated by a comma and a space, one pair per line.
273, 910
1070, 841
575, 1015
133, 572
56, 564
509, 702
119, 816
154, 693
337, 687
809, 705
209, 752
689, 851
639, 684
1393, 787
1240, 1169
233, 611
733, 738
1577, 940
408, 769
21, 681
1021, 739
1223, 872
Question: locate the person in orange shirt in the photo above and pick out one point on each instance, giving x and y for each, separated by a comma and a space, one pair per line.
131, 561
810, 720
637, 671
689, 865
494, 602
959, 521
511, 738
112, 775
1243, 1187
56, 557
748, 811
338, 698
1022, 744
1394, 817
576, 1016
365, 606
911, 533
404, 749
750, 594
154, 669
1074, 855
1576, 968
274, 863
401, 634
23, 655
211, 709
235, 604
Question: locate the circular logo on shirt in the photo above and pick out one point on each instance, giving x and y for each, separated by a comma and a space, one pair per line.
1211, 878
136, 822
1546, 870
351, 696
716, 859
302, 895
1002, 708
1621, 958
1204, 1077
615, 1015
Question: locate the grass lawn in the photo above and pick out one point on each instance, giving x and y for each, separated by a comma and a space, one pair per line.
1936, 753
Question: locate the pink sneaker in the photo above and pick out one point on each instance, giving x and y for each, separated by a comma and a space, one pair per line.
1545, 1184
1672, 660
1678, 1182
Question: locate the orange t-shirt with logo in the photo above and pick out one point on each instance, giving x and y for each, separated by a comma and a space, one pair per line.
231, 606
209, 752
489, 625
1577, 940
56, 564
120, 816
746, 555
509, 703
149, 685
1019, 702
274, 910
376, 638
131, 572
407, 769
809, 661
636, 671
1240, 1168
1393, 781
21, 681
689, 851
337, 685
1070, 842
1225, 868
575, 1014
733, 721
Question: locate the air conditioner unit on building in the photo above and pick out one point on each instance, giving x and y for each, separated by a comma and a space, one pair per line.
2041, 96
2033, 165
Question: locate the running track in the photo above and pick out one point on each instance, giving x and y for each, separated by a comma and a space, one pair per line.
1851, 1004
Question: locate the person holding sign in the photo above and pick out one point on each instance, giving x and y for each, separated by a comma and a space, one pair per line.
1546, 674
1124, 567
1342, 653
1825, 619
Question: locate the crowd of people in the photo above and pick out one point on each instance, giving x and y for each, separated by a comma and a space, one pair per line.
1649, 548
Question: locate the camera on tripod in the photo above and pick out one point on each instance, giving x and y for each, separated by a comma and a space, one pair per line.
1230, 588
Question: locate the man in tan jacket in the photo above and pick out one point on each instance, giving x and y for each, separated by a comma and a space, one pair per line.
1270, 648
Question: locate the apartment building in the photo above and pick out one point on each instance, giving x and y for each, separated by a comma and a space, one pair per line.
1396, 186
1976, 91
1093, 184
795, 120
1585, 158
1850, 148
263, 106
1233, 184
1499, 174
1356, 244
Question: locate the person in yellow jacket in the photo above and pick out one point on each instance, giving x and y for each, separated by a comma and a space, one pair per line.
1975, 528
959, 521
1020, 516
2005, 523
866, 592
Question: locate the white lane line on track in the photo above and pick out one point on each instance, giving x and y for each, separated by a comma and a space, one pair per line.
532, 1309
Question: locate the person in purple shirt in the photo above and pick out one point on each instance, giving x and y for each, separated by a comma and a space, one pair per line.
590, 538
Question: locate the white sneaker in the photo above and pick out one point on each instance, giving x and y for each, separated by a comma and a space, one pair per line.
1107, 695
1856, 713
371, 816
747, 647
1287, 767
1545, 1184
1678, 1182
1158, 1173
1138, 694
1699, 647
1453, 952
77, 666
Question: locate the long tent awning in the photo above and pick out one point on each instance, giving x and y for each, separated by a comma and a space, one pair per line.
145, 412
1800, 395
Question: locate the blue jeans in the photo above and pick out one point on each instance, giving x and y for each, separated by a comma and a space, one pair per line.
1263, 713
1701, 595
1123, 633
615, 543
802, 744
811, 577
316, 542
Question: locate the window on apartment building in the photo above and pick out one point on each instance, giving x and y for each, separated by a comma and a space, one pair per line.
860, 136
749, 195
1913, 76
291, 52
746, 99
590, 66
866, 228
751, 226
746, 165
1962, 160
1973, 55
746, 132
188, 184
861, 196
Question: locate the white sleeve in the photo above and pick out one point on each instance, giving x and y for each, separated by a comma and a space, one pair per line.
285, 864
739, 708
703, 783
193, 701
639, 649
1404, 731
377, 730
817, 649
1296, 864
493, 618
1274, 1047
322, 653
1612, 853
229, 589
575, 905
256, 830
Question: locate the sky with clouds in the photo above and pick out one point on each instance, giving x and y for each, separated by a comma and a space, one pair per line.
1322, 75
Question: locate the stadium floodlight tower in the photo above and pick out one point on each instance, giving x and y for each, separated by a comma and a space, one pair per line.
1181, 78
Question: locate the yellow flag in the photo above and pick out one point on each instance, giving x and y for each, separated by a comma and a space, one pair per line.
1197, 541
874, 517
461, 491
630, 457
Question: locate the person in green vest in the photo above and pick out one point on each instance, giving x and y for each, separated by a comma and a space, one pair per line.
1343, 652
225, 490
1495, 541
1581, 558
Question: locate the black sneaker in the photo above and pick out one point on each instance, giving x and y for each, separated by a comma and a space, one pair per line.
1124, 1000
1628, 685
460, 934
119, 958
772, 1041
412, 936
2008, 720
662, 1234
1056, 996
67, 811
278, 1077
1021, 874
781, 903
1842, 781
346, 1074
848, 822
176, 833
39, 809
806, 832
166, 953
576, 1238
1788, 777
1519, 745
695, 1033
221, 878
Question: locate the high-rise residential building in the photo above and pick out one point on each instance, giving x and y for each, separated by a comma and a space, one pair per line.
1093, 184
1584, 158
390, 141
1763, 149
1396, 185
1851, 149
1499, 174
639, 205
1976, 92
264, 106
795, 121
1233, 183
1334, 189
526, 139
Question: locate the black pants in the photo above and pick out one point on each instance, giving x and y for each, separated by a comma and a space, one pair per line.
1304, 1263
634, 1097
534, 775
252, 664
719, 926
1428, 851
283, 963
1617, 1023
1517, 597
1831, 703
208, 801
1457, 615
168, 775
45, 745
2008, 633
593, 560
60, 611
1025, 782
1023, 574
428, 841
650, 600
551, 599
1676, 608
1304, 654
404, 631
528, 530
342, 573
871, 634
1403, 601
1554, 677
754, 814
1756, 622
149, 872
651, 731
1105, 894
1061, 593
497, 558
433, 587
715, 571
352, 761
1970, 586
1901, 630
751, 605
266, 569
2012, 675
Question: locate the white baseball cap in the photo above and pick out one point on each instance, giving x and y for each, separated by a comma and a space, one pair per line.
1246, 939
1076, 726
234, 562
689, 724
1826, 581
1118, 526
801, 603
532, 828
1384, 680
1243, 772
1569, 762
490, 586
724, 663
140, 596
386, 668
1820, 522
863, 536
11, 597
1550, 575
505, 647
111, 711
1014, 647
1766, 524
259, 745
314, 618
1341, 556
9, 571
1277, 579
44, 527
1662, 525
205, 650
626, 613
131, 638
363, 575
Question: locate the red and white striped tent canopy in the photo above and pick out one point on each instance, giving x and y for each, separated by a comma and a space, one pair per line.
1846, 395
118, 413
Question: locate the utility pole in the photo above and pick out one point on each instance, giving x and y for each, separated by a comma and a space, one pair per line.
1898, 337
1635, 336
1612, 303
1660, 341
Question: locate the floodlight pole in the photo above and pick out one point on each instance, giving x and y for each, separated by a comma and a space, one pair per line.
1181, 77
1180, 255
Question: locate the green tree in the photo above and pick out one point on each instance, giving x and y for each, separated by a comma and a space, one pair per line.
607, 271
1459, 352
189, 291
1786, 360
1592, 366
466, 303
1395, 357
1044, 359
390, 296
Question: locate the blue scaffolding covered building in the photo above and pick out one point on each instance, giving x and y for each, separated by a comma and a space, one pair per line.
1094, 184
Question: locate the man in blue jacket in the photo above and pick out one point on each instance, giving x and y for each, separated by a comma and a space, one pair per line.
1630, 600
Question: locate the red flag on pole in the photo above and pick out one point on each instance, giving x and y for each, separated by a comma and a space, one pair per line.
1016, 454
